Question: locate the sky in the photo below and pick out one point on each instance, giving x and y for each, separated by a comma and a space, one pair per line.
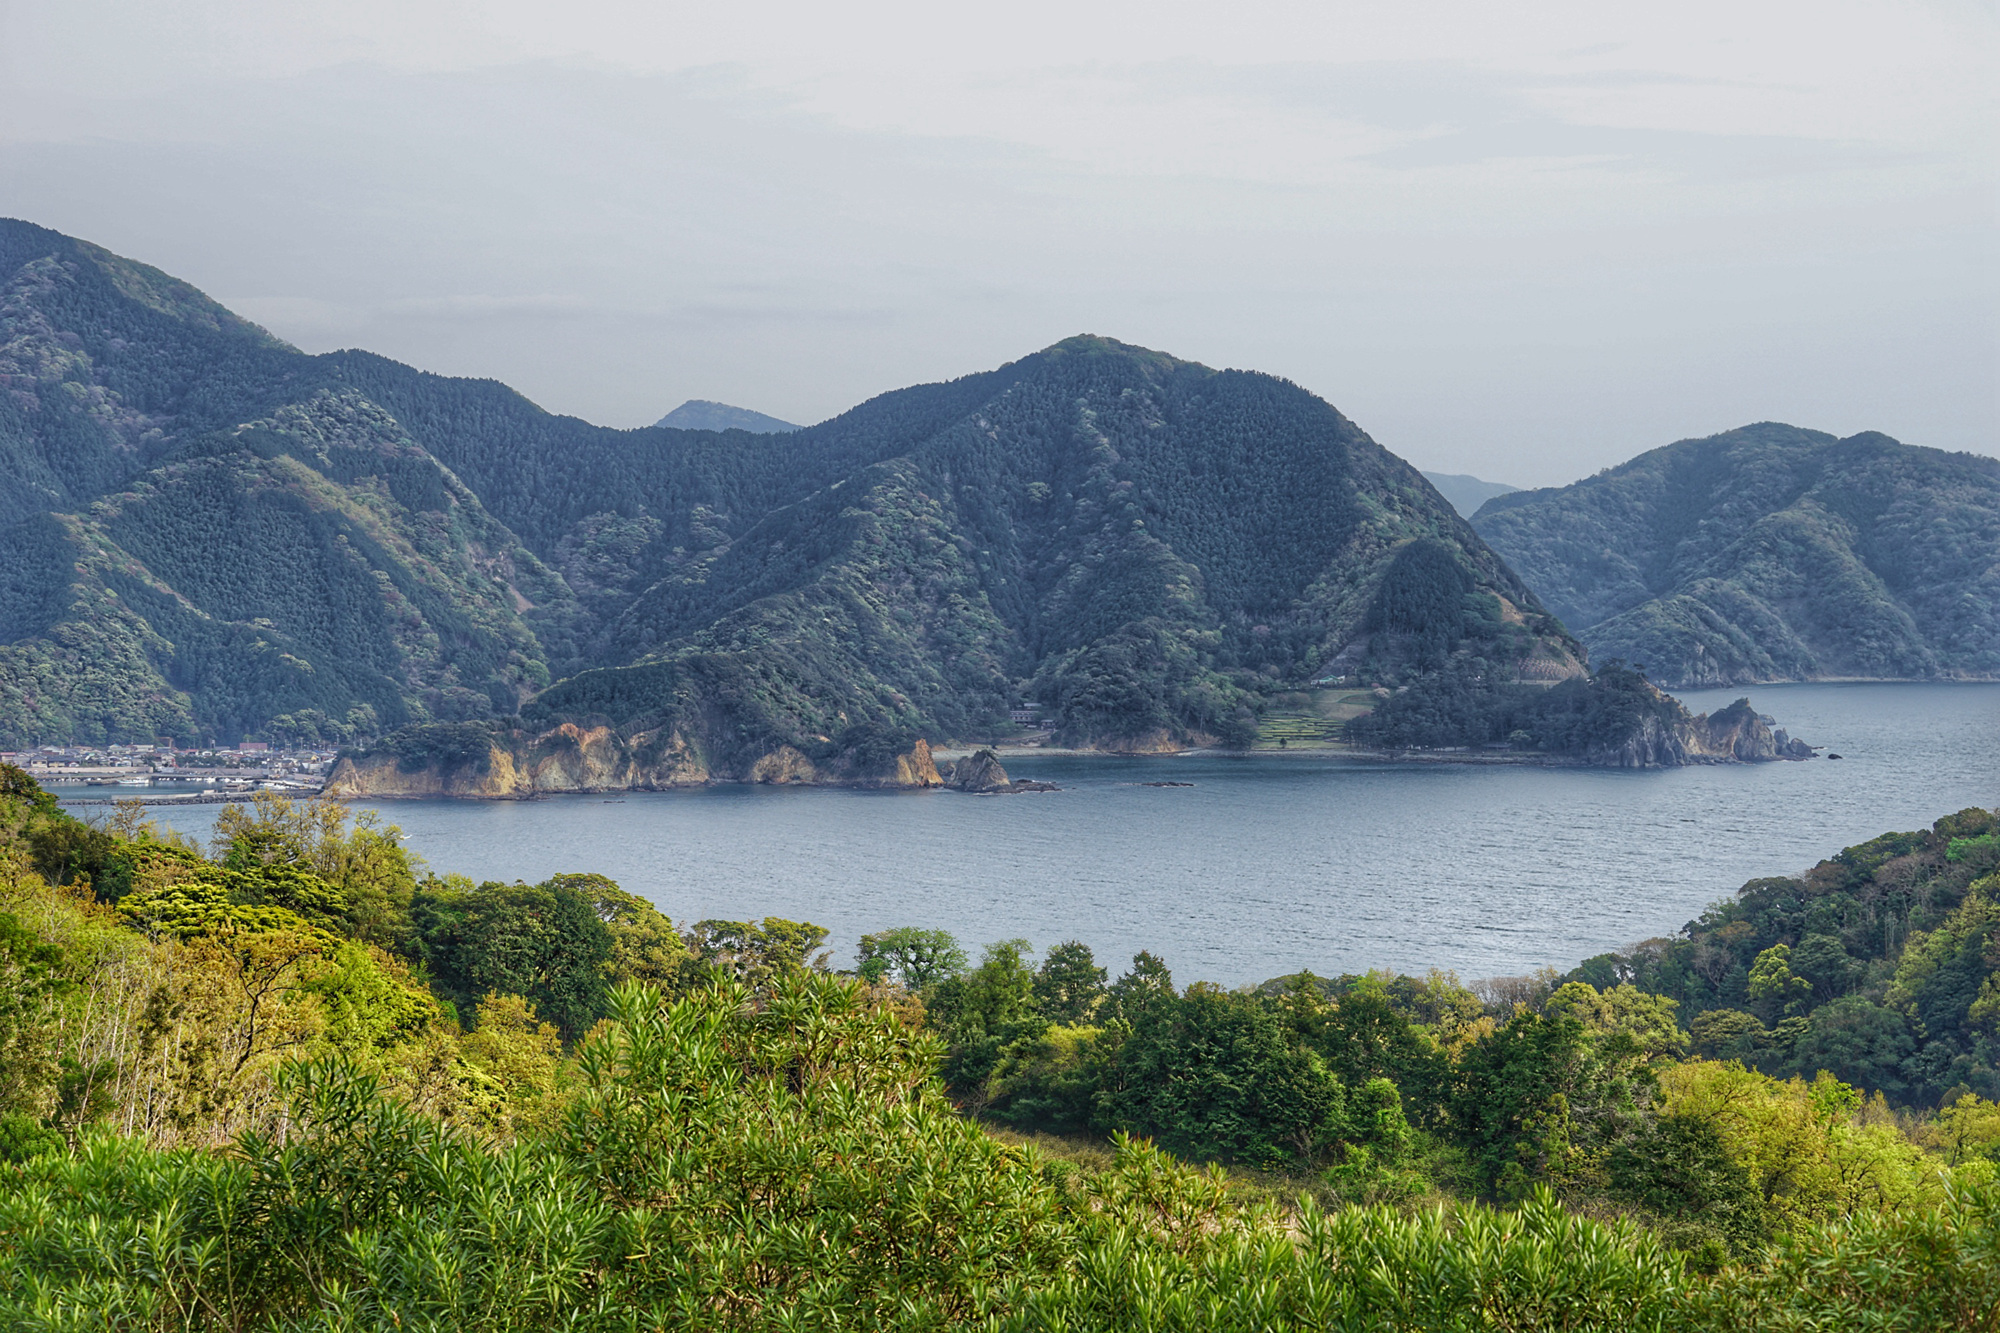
1524, 242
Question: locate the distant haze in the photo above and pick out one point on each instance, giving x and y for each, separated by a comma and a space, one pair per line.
1520, 242
1465, 493
700, 414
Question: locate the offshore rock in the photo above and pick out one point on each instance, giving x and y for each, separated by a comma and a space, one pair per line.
1736, 734
980, 772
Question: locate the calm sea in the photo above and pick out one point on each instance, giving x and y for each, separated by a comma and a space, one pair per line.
1266, 864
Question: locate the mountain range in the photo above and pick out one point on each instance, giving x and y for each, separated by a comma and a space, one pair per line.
205, 532
1771, 553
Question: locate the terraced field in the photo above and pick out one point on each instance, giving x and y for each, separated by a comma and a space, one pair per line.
1310, 719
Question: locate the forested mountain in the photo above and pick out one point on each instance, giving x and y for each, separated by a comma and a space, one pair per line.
204, 531
1771, 553
701, 414
1465, 493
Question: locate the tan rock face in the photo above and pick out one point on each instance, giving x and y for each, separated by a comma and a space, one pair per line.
382, 776
1735, 734
917, 768
577, 759
784, 765
980, 771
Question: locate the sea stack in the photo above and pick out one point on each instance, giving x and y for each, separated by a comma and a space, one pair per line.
980, 772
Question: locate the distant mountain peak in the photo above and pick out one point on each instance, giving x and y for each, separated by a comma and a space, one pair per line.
702, 414
1771, 553
1466, 494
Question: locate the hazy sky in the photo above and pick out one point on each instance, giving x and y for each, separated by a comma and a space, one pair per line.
1524, 241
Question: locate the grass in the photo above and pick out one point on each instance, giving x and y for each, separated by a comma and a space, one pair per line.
1310, 719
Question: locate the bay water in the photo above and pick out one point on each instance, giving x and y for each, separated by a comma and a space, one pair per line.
1269, 863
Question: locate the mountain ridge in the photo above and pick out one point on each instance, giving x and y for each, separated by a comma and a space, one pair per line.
1772, 553
1467, 493
239, 537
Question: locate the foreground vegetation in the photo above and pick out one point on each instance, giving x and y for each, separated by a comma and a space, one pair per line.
295, 1083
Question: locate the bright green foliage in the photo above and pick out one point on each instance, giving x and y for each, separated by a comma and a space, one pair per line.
32, 985
910, 957
1878, 965
210, 900
366, 861
1772, 982
1936, 1267
1366, 1269
742, 1140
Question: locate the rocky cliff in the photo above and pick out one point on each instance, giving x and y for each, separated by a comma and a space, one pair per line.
1736, 734
486, 764
979, 771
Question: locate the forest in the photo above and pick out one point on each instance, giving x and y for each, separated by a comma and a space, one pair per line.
206, 534
1771, 553
296, 1079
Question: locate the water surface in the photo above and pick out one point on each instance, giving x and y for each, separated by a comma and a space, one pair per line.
1267, 864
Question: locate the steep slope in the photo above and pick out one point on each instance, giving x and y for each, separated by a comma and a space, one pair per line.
1143, 544
204, 533
215, 534
1772, 553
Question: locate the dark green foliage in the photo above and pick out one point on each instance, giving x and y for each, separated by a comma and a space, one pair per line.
542, 941
1539, 1088
234, 538
1771, 553
758, 953
1422, 597
1677, 1169
1069, 985
1147, 983
984, 1011
1219, 1077
1595, 718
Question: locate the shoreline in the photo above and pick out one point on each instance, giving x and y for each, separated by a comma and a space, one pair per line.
191, 798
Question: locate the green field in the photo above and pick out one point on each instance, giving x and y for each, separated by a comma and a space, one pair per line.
1309, 719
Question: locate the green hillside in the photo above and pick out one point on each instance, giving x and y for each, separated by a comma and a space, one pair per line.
207, 533
1771, 553
1142, 543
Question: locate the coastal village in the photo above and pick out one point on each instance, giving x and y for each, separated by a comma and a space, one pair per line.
190, 774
